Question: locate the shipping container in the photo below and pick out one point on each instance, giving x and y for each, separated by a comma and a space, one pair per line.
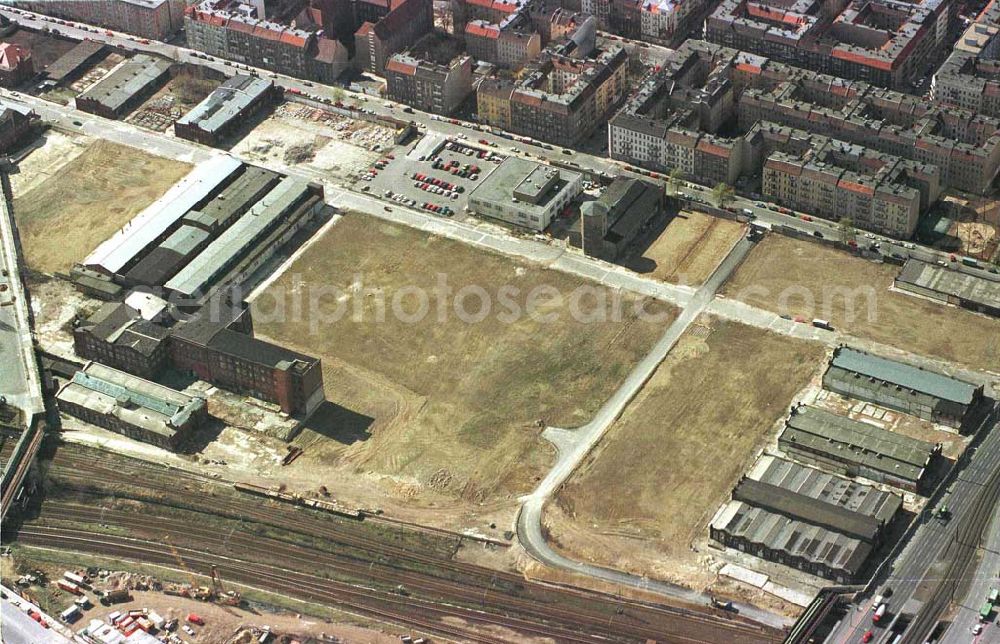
69, 587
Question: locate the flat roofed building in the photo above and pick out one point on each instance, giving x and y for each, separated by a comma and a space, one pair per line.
979, 292
853, 448
131, 406
525, 193
125, 87
805, 518
224, 109
896, 385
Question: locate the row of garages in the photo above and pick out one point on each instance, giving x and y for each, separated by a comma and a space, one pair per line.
809, 513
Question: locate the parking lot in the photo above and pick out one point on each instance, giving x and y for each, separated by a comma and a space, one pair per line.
436, 181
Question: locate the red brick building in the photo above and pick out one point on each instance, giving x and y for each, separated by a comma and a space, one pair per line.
16, 65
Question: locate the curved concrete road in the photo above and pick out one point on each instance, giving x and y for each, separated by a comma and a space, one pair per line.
574, 445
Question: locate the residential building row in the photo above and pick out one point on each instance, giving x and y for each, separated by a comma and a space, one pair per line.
153, 19
241, 31
970, 77
884, 42
657, 21
559, 98
875, 144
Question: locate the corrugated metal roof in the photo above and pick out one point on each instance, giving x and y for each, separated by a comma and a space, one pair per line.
226, 102
904, 375
126, 80
204, 268
121, 248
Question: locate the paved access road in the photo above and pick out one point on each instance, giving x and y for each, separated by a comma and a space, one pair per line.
582, 161
574, 445
914, 565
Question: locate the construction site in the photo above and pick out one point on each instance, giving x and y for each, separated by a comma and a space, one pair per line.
639, 501
299, 135
797, 278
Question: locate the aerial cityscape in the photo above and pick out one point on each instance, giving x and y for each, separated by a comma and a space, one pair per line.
526, 321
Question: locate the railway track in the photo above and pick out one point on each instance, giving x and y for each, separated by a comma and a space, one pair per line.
571, 612
960, 554
411, 611
631, 623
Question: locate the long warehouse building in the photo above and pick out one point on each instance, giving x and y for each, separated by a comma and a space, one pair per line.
804, 518
896, 385
251, 240
127, 85
155, 222
956, 286
199, 227
840, 444
131, 406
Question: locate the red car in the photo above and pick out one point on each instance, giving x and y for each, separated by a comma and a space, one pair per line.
867, 637
806, 218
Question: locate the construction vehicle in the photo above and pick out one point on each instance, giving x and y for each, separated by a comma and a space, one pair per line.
224, 597
201, 593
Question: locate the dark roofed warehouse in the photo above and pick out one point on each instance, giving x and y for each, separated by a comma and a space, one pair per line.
896, 385
803, 517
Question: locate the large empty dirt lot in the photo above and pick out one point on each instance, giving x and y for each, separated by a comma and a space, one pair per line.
80, 203
648, 490
689, 249
297, 134
437, 410
786, 275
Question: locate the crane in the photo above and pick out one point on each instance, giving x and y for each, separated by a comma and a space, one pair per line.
203, 593
227, 598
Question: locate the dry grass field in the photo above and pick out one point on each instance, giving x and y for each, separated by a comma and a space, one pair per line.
443, 409
689, 249
68, 214
800, 278
648, 490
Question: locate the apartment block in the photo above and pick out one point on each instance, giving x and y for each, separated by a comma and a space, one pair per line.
890, 141
154, 19
657, 21
558, 98
883, 42
403, 25
970, 77
503, 47
236, 30
427, 86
